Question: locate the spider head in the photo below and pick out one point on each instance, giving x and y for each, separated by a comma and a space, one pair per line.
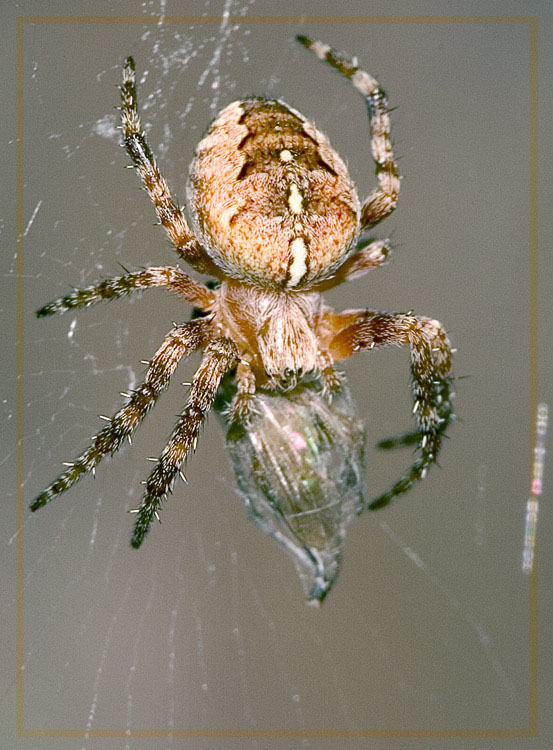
272, 202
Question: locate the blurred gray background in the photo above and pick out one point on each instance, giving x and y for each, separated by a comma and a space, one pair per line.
205, 627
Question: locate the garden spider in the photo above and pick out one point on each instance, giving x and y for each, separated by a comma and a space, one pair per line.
276, 220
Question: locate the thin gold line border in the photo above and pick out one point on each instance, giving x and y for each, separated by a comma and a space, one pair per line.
21, 22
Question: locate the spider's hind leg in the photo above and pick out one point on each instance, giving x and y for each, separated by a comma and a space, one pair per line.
383, 199
170, 214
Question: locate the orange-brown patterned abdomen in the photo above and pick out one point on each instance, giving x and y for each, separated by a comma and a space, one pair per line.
272, 201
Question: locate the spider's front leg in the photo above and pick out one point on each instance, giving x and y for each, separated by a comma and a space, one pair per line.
179, 342
359, 330
220, 356
241, 407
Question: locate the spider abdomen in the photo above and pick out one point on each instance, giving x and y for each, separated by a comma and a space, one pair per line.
272, 201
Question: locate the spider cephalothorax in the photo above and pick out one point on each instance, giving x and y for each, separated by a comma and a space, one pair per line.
277, 221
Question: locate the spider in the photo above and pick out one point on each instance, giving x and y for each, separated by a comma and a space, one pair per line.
276, 220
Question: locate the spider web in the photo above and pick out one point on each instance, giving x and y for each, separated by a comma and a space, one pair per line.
205, 628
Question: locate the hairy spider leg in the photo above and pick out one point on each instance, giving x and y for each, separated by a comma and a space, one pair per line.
383, 200
171, 278
241, 406
170, 214
181, 341
220, 356
431, 379
365, 259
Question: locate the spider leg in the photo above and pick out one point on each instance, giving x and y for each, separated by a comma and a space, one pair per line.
361, 262
241, 406
382, 201
121, 286
331, 379
170, 215
181, 341
219, 357
431, 379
